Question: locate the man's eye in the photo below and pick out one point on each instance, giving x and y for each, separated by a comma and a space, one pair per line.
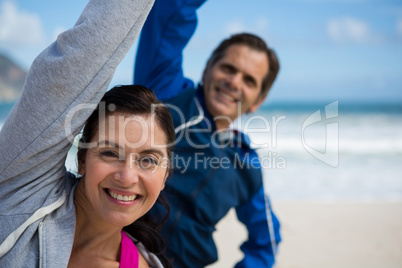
250, 82
228, 69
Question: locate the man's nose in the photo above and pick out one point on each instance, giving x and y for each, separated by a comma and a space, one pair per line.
235, 81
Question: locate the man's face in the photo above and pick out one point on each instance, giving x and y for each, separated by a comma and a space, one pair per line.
232, 86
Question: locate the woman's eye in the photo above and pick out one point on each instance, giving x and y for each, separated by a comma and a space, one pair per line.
147, 162
109, 154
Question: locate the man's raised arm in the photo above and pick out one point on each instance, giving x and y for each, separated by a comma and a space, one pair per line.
159, 59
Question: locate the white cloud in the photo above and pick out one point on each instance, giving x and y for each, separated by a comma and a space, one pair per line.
261, 24
233, 27
18, 27
349, 30
333, 1
258, 26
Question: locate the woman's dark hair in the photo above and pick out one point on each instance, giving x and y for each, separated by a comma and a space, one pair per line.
130, 100
136, 100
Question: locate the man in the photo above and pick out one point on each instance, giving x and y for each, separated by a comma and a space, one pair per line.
214, 168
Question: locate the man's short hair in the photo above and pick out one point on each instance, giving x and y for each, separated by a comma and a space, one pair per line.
254, 42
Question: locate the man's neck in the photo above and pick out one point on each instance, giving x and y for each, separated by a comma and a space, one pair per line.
221, 125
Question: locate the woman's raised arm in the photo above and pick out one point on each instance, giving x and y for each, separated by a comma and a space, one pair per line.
63, 86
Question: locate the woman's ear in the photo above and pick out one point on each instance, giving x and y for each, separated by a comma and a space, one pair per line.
164, 180
81, 160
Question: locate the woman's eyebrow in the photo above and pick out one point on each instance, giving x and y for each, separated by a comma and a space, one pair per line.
109, 143
153, 151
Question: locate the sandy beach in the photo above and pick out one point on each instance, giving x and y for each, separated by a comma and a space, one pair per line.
319, 234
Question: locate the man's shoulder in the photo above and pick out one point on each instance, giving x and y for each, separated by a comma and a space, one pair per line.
181, 99
184, 107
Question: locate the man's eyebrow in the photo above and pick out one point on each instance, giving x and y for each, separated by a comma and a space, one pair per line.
229, 65
109, 143
247, 76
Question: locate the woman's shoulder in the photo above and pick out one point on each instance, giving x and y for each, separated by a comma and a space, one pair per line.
152, 260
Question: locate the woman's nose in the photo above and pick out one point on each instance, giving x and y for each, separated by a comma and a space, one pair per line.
127, 174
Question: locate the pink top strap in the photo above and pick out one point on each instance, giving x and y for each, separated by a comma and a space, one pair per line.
129, 257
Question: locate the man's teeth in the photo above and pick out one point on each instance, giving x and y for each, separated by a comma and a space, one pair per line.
226, 96
123, 197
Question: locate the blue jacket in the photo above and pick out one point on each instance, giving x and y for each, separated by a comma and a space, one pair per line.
212, 173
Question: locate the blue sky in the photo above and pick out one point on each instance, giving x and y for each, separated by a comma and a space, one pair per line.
346, 50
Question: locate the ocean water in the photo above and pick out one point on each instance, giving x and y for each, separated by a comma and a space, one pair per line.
326, 152
348, 153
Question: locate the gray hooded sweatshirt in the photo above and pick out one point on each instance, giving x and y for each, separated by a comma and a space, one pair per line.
64, 85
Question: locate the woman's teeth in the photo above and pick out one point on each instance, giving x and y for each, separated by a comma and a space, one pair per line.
122, 197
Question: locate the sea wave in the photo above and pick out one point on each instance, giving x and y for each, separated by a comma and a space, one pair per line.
346, 146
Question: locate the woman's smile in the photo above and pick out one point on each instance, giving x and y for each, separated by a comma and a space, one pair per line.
122, 197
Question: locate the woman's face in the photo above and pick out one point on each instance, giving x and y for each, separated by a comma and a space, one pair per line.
124, 171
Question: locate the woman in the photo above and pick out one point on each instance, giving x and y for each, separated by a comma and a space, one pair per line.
49, 217
123, 158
